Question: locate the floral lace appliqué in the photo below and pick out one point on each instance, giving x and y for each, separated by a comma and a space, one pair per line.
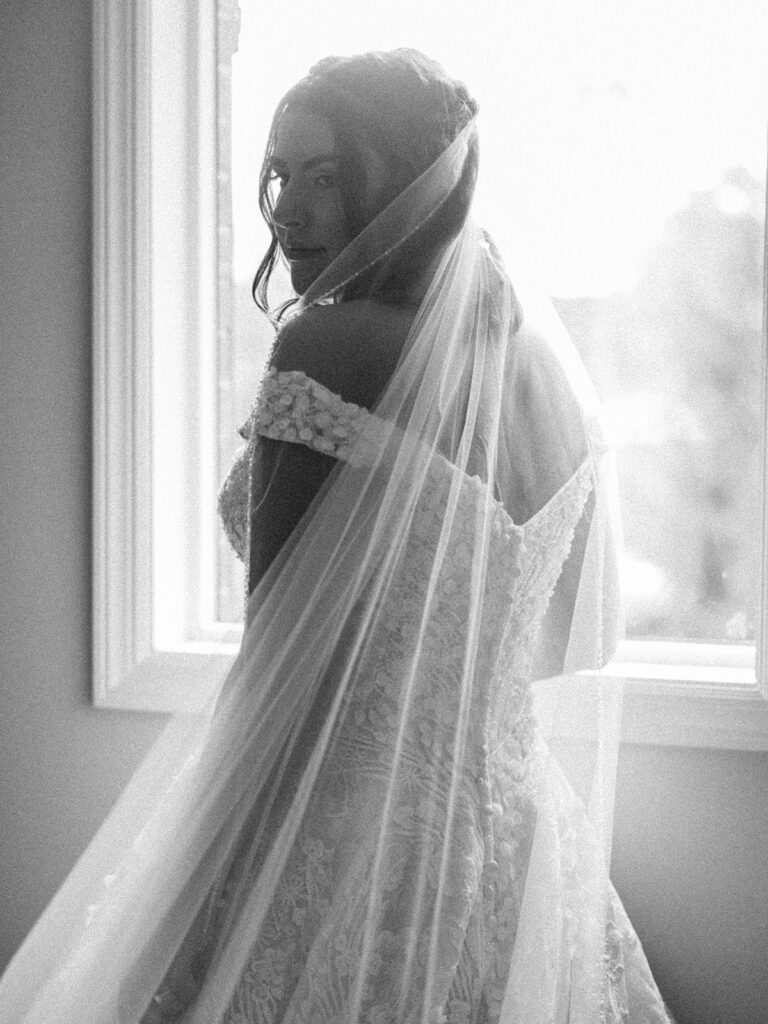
293, 407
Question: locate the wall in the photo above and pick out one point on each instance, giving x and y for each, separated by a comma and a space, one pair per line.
690, 861
61, 762
691, 826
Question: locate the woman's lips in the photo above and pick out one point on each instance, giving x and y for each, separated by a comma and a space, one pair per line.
296, 253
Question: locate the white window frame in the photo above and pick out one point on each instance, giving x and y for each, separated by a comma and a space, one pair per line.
156, 646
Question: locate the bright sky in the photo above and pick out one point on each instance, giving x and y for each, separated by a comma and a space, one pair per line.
598, 117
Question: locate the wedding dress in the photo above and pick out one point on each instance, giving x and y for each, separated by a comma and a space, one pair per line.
396, 809
303, 965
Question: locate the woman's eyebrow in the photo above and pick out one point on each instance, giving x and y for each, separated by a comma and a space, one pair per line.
323, 158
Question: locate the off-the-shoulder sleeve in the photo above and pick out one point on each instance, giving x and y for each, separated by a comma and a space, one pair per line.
295, 408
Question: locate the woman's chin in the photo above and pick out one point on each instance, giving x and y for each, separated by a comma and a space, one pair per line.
303, 274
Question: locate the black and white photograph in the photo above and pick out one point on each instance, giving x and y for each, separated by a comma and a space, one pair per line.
383, 512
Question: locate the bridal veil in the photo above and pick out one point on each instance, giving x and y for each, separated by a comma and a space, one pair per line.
464, 543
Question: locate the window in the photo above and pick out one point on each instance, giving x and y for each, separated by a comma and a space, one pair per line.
587, 115
160, 220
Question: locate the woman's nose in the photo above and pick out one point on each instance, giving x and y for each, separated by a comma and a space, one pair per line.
289, 211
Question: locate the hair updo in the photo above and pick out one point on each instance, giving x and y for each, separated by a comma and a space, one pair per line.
405, 108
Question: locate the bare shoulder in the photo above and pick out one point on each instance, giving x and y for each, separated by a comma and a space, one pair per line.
352, 348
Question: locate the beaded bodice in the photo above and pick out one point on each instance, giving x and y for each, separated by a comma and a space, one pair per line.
524, 561
522, 565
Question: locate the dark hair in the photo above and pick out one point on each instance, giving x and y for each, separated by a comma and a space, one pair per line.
405, 108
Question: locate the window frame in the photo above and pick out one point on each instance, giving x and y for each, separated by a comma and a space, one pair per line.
155, 234
156, 226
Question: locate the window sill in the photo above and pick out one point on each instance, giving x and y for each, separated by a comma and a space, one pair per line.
672, 705
691, 695
173, 682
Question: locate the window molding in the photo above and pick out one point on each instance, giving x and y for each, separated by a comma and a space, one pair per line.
699, 694
692, 695
157, 646
154, 312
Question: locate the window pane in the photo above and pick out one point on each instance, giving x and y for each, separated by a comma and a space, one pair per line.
678, 359
623, 168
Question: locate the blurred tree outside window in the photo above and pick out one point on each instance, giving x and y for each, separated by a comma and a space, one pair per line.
678, 360
628, 148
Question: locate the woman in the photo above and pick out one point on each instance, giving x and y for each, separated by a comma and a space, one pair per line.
368, 824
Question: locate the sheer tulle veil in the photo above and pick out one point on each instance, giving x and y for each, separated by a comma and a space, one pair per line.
488, 416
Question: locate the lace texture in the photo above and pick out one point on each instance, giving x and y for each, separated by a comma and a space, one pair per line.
304, 963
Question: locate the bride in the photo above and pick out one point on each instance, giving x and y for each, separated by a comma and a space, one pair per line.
373, 822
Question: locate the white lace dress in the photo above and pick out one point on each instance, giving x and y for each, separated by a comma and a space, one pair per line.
303, 964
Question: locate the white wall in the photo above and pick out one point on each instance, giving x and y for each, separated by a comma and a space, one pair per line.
61, 762
691, 844
690, 860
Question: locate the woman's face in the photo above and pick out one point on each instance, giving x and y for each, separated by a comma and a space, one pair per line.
308, 217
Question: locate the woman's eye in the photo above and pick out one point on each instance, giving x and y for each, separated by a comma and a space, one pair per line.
279, 179
326, 180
